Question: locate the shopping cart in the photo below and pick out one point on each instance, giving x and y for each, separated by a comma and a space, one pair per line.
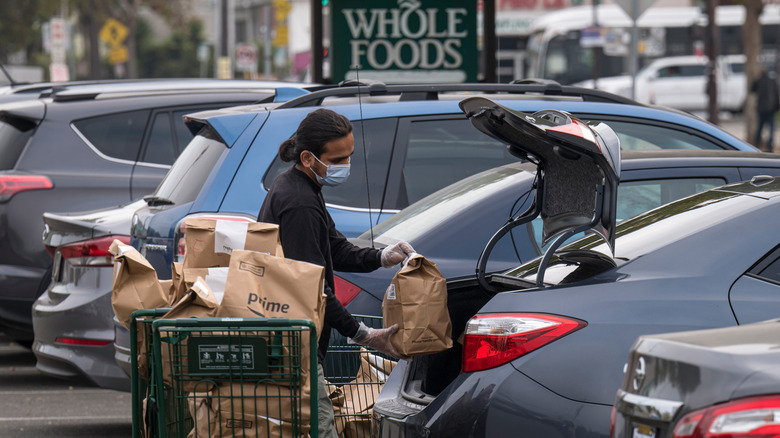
141, 385
242, 377
356, 375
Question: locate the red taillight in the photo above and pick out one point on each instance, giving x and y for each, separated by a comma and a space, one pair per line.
612, 422
345, 291
754, 417
13, 184
93, 252
493, 340
81, 341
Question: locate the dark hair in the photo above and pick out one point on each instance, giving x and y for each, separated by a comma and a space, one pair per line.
318, 128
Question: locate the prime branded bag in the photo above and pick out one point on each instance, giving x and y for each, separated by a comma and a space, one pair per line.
209, 242
262, 285
416, 300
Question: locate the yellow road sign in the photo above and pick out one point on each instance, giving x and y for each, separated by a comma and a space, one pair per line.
117, 55
113, 32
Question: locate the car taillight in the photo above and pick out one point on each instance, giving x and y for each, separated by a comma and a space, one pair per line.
81, 341
181, 232
13, 184
93, 252
345, 291
493, 340
751, 417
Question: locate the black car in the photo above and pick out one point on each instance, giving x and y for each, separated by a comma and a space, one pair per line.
81, 147
703, 383
540, 349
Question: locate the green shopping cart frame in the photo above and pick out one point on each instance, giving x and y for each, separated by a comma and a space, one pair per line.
234, 377
141, 386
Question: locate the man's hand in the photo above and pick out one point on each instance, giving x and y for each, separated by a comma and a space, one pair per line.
378, 339
396, 253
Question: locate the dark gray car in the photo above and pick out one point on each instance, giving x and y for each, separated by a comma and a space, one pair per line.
543, 345
703, 383
83, 147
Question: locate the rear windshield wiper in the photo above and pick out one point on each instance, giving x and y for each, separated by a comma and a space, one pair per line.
152, 201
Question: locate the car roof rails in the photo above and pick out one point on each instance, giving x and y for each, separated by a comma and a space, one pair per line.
420, 92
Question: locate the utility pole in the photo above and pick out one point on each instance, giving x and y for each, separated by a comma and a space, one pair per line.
712, 49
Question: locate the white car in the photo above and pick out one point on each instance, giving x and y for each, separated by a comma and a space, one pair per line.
681, 82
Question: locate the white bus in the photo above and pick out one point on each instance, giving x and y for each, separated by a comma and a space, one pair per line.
557, 49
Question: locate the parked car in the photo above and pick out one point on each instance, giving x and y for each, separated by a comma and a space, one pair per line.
412, 150
84, 147
703, 383
681, 82
542, 346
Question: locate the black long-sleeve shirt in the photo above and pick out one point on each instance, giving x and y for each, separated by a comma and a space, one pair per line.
308, 234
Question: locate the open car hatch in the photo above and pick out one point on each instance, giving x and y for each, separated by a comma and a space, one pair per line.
578, 169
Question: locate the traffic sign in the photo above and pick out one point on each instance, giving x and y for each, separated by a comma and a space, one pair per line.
113, 32
246, 57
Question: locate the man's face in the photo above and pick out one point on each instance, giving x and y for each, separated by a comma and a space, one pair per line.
335, 151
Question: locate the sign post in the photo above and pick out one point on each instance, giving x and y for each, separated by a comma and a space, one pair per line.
114, 34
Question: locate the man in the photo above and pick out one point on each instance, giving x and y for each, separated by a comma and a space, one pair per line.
767, 104
321, 149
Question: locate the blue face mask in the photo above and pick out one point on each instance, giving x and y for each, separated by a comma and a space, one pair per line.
335, 174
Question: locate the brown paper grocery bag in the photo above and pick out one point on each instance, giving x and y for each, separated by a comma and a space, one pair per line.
183, 278
199, 302
258, 410
202, 413
416, 300
135, 283
209, 242
262, 285
353, 402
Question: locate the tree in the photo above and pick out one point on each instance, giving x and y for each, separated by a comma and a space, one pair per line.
21, 27
751, 37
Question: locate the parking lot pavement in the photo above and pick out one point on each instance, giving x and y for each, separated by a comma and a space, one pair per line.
35, 405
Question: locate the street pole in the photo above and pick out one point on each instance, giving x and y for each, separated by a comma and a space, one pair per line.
316, 42
713, 48
634, 41
489, 44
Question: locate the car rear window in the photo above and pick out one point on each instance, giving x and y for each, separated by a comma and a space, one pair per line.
641, 136
115, 135
14, 133
186, 177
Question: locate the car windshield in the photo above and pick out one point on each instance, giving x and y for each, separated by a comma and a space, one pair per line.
645, 233
190, 171
439, 207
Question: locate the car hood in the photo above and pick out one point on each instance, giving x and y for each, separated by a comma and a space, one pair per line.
705, 367
64, 228
578, 164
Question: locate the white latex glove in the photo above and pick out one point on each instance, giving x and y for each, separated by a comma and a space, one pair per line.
378, 339
396, 253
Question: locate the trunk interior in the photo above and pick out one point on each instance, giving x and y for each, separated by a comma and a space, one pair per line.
464, 300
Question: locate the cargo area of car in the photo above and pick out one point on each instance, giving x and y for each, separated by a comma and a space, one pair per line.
428, 375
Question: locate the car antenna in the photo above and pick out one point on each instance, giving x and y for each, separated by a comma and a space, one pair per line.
365, 159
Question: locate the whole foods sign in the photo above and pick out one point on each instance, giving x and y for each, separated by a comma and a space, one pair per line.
405, 40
